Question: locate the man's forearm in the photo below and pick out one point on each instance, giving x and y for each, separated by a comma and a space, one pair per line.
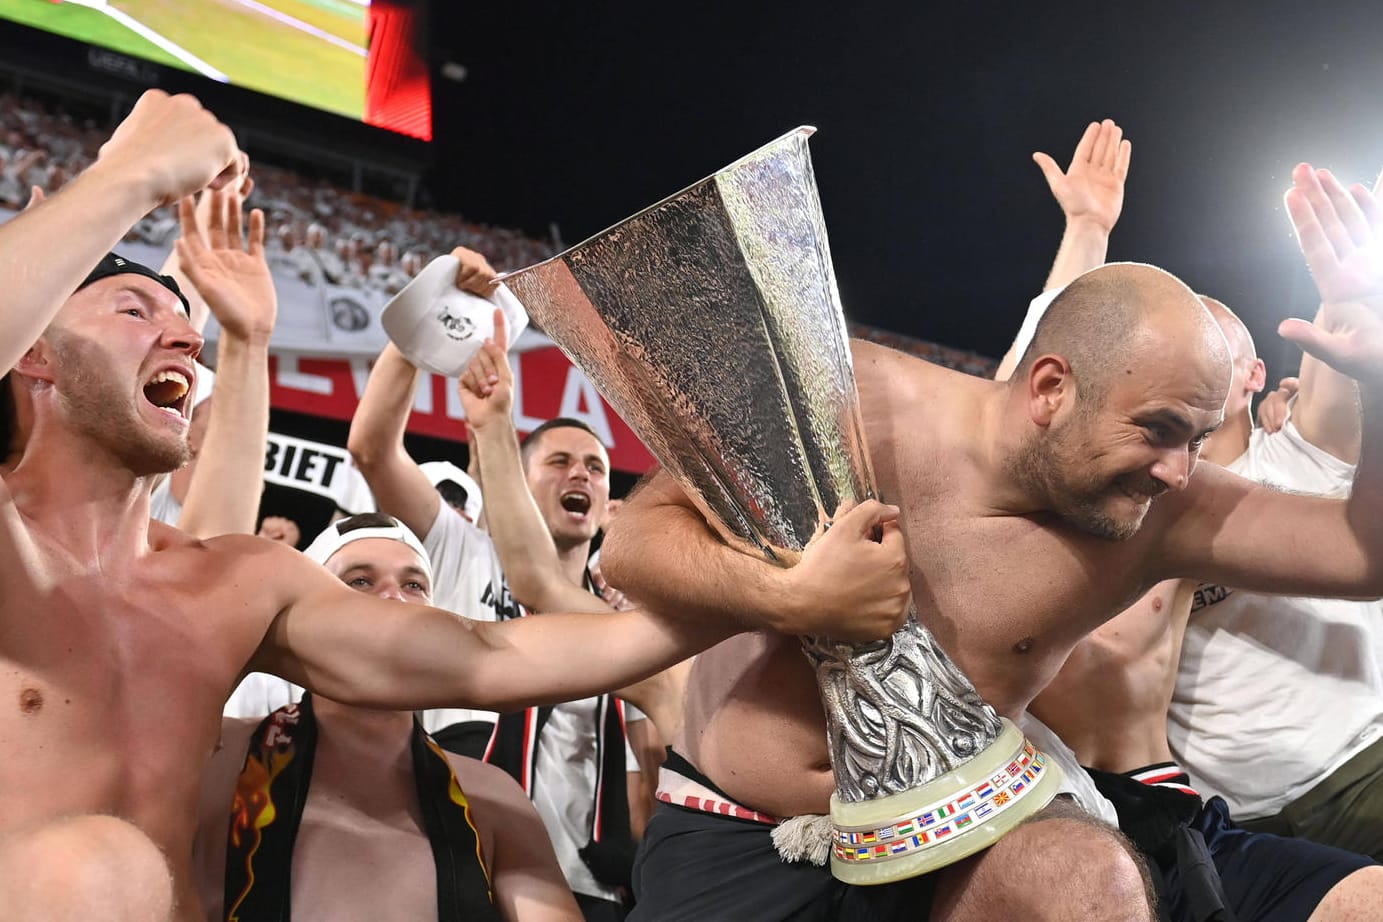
46, 251
1326, 410
382, 416
1084, 246
223, 497
564, 657
1365, 507
527, 553
665, 555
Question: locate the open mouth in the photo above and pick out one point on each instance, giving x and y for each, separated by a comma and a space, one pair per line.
578, 503
169, 390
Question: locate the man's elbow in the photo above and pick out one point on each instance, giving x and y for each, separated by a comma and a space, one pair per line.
364, 450
617, 559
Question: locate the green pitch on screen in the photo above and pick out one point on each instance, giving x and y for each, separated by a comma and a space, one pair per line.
255, 50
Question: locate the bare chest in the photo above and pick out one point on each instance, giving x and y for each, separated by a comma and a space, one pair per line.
111, 688
1009, 597
348, 865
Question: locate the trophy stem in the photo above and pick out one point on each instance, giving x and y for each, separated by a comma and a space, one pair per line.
926, 772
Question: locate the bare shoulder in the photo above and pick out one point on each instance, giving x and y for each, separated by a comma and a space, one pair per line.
261, 573
274, 560
881, 372
486, 785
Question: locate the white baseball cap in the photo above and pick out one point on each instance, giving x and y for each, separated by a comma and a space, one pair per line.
438, 471
439, 327
332, 539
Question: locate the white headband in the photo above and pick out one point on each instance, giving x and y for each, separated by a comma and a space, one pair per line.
325, 545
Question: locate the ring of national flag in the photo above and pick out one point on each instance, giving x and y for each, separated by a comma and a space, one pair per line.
927, 828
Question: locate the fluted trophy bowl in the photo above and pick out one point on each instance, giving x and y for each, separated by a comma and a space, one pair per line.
711, 322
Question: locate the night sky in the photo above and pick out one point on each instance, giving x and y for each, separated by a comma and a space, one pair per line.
941, 226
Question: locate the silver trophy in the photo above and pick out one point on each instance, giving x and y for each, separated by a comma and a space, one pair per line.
711, 322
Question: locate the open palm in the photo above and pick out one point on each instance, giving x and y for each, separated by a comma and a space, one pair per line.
228, 266
1341, 235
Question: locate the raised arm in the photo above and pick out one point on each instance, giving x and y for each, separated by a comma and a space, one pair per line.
1326, 409
199, 309
231, 274
663, 553
1258, 538
361, 650
1091, 196
527, 553
400, 487
167, 147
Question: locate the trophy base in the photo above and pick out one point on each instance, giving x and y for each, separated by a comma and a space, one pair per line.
948, 818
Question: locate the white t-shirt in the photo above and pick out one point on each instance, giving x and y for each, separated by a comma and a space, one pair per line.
162, 506
260, 694
1275, 693
467, 580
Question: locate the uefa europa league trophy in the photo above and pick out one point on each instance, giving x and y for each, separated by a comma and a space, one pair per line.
711, 322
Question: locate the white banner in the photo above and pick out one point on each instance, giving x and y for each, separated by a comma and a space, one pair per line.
317, 468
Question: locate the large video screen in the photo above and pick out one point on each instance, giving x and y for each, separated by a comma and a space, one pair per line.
357, 58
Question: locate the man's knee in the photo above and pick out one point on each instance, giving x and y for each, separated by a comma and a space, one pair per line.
1063, 865
88, 863
1358, 897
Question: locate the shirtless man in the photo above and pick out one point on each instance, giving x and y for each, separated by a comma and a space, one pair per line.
1034, 511
361, 847
1109, 702
121, 638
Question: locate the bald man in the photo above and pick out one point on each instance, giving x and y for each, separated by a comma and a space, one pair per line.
1034, 510
1245, 688
1109, 703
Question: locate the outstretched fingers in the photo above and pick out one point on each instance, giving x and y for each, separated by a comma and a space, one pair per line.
256, 240
1310, 211
1347, 209
1085, 150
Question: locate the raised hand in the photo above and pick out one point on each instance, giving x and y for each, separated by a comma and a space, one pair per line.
1272, 412
1341, 235
852, 581
487, 385
228, 267
174, 146
1092, 188
475, 273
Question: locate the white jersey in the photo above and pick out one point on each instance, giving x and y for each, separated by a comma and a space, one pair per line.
163, 507
467, 580
259, 694
565, 775
1275, 693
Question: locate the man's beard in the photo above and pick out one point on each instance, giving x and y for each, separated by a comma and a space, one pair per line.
1040, 466
101, 412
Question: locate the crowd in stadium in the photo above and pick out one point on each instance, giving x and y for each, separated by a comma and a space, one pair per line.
507, 695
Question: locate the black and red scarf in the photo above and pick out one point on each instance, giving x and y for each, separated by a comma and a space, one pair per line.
514, 747
270, 796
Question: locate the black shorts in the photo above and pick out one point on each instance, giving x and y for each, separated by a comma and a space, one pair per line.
1202, 860
698, 867
1265, 878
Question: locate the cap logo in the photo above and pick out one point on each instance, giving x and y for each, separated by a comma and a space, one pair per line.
456, 326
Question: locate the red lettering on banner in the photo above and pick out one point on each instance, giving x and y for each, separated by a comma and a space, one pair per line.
547, 386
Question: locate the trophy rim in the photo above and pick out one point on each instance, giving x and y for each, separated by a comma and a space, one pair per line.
803, 131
